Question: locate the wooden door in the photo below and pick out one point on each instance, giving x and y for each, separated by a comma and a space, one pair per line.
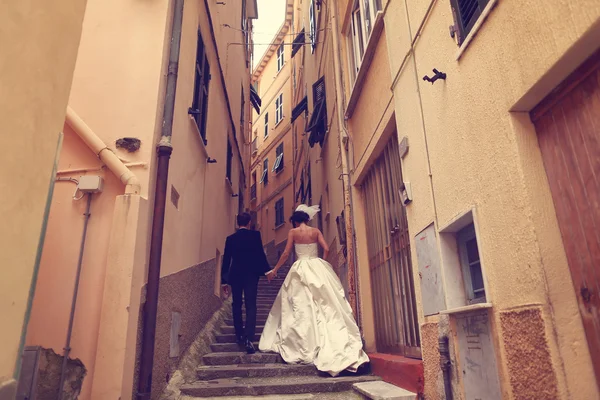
395, 311
568, 128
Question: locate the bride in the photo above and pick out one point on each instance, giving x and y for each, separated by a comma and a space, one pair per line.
311, 321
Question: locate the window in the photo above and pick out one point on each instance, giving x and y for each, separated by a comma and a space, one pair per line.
279, 217
200, 103
278, 109
280, 56
466, 13
471, 264
299, 41
266, 125
278, 165
229, 159
313, 26
318, 121
242, 111
364, 13
253, 187
265, 175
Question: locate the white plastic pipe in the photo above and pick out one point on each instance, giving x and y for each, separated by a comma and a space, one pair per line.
106, 155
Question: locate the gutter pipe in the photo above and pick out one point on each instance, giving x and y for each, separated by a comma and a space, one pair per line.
164, 149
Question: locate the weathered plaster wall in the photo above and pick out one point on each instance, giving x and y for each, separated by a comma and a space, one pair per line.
189, 293
56, 279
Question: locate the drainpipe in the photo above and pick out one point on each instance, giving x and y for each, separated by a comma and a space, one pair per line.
106, 155
164, 149
67, 349
346, 182
445, 365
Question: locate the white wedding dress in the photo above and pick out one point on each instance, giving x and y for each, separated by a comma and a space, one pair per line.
311, 321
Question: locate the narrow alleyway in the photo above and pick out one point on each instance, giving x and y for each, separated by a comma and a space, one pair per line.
227, 373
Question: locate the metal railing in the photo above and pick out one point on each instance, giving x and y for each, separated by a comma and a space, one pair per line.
395, 311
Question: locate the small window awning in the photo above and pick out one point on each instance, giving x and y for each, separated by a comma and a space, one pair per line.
277, 163
301, 107
255, 99
317, 126
264, 175
298, 42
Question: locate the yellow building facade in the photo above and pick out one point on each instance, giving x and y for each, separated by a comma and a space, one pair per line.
472, 218
130, 97
271, 193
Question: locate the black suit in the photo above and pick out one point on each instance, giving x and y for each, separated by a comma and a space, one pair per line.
244, 262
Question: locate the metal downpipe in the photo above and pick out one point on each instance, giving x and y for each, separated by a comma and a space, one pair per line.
67, 349
164, 149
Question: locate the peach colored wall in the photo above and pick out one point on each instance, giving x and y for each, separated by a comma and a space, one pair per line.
39, 46
56, 279
121, 96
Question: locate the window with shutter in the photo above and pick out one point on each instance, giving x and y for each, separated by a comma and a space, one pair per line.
279, 214
280, 56
318, 121
266, 124
313, 26
265, 175
199, 106
298, 42
466, 13
301, 107
279, 109
278, 165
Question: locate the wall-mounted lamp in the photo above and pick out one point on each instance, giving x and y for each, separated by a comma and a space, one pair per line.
438, 75
211, 160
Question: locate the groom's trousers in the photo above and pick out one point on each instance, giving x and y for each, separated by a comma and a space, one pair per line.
246, 288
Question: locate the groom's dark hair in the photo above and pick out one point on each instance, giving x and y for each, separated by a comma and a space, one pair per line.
244, 219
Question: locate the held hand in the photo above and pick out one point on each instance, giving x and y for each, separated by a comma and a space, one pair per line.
225, 289
271, 275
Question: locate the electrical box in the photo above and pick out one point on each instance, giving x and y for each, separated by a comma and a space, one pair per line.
406, 193
90, 184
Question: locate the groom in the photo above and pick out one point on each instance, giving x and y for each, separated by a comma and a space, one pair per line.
244, 261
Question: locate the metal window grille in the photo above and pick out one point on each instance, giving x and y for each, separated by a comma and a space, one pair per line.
279, 217
466, 13
199, 108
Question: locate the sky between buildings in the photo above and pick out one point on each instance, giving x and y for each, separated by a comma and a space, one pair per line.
270, 17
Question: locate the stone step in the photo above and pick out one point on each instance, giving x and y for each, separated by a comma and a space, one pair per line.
212, 372
347, 395
232, 358
225, 329
259, 321
380, 390
272, 386
228, 347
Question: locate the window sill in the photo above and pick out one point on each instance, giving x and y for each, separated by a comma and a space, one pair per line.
279, 123
469, 308
475, 29
279, 226
278, 171
202, 144
365, 64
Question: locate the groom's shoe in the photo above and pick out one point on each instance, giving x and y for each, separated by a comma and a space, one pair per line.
250, 347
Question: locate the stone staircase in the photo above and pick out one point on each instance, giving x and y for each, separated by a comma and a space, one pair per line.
229, 373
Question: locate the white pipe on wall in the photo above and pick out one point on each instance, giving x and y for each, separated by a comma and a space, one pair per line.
106, 155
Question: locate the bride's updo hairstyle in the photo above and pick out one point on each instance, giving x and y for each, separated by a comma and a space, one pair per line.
299, 217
